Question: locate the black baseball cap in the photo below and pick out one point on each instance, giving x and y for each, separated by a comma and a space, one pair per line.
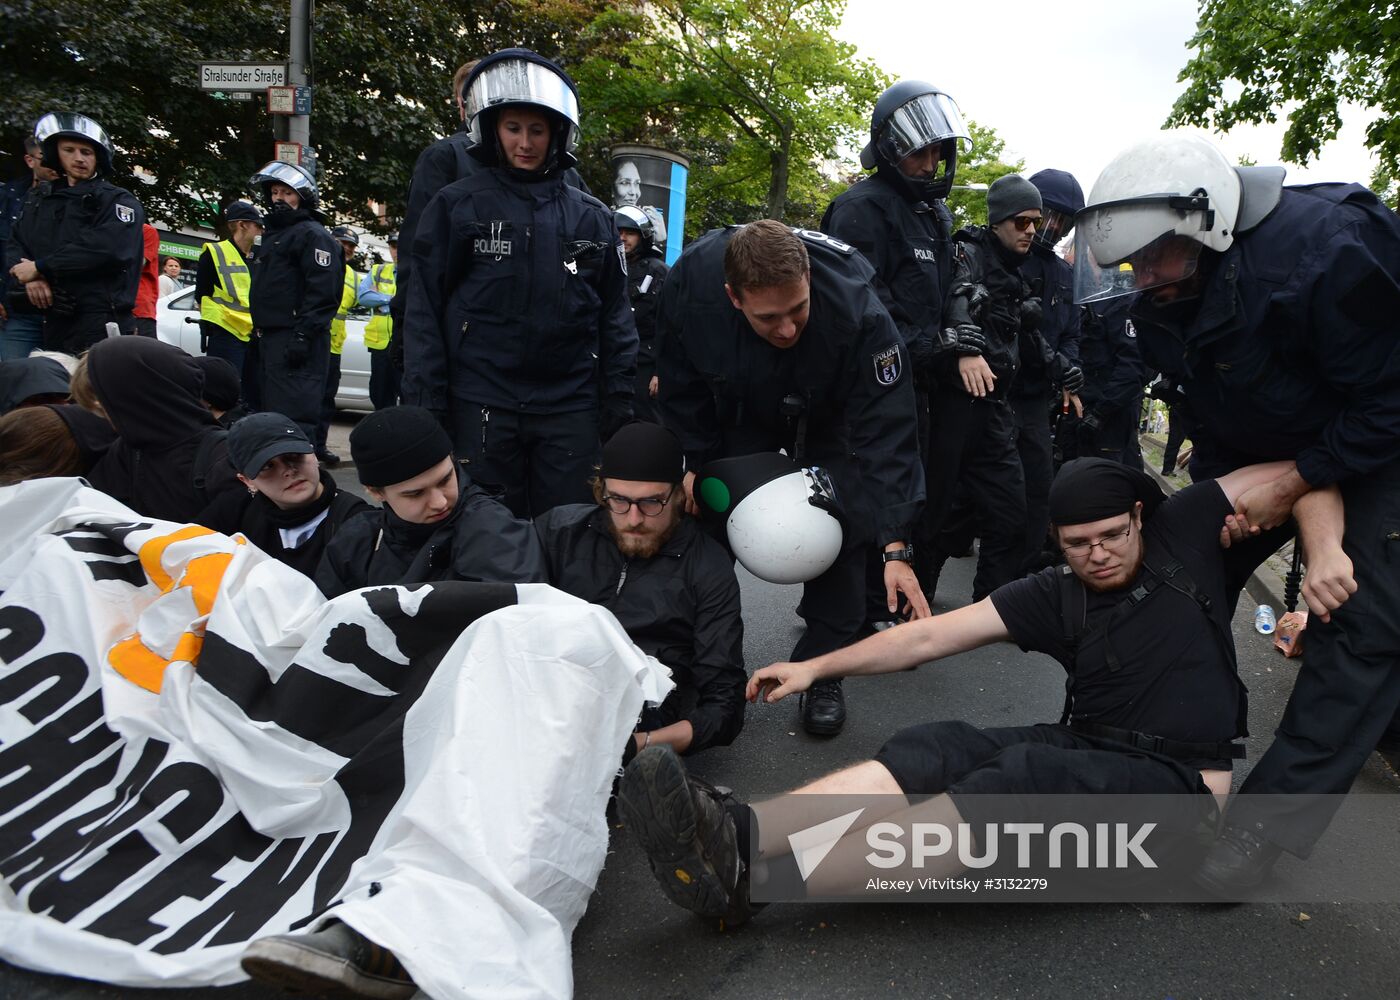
346, 235
242, 211
260, 437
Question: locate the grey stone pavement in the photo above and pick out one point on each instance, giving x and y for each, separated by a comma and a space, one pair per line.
634, 943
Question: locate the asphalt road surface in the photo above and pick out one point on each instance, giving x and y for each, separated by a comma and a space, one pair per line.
634, 943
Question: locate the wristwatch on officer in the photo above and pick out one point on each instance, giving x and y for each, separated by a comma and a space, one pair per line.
904, 555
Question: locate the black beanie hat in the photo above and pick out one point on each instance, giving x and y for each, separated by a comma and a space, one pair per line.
1092, 489
643, 453
395, 444
1011, 195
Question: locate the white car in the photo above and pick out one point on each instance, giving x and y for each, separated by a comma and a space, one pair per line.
177, 322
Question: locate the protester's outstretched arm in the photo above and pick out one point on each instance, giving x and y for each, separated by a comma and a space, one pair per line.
1321, 523
892, 650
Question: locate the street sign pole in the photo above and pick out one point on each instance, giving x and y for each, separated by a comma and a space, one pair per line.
299, 126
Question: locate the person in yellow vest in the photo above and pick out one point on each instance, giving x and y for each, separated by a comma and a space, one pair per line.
376, 290
350, 243
221, 288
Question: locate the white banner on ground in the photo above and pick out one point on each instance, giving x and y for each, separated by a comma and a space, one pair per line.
196, 750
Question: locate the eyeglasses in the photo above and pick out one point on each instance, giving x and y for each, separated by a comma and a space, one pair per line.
1111, 543
1024, 222
649, 506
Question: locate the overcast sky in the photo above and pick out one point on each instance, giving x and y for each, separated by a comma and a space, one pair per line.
1068, 83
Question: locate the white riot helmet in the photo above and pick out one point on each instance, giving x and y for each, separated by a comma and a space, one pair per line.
290, 174
519, 77
1154, 207
783, 522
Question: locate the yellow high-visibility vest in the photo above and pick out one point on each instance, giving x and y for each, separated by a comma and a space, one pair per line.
227, 305
348, 292
381, 326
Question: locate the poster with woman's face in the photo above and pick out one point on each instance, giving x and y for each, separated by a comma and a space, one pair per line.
644, 182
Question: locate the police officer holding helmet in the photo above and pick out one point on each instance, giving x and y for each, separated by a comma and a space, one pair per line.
646, 273
771, 338
1275, 308
77, 248
297, 286
898, 219
518, 333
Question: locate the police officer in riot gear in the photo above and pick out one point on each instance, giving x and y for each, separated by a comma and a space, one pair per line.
646, 273
1275, 310
518, 333
1037, 388
297, 286
771, 338
898, 220
77, 248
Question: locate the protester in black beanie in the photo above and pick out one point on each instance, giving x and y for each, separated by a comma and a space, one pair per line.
436, 524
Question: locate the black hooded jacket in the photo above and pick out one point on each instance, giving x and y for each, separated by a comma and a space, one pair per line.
170, 459
680, 606
480, 542
298, 275
261, 521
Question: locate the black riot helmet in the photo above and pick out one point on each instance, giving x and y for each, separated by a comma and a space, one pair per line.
67, 125
521, 78
909, 117
290, 174
1061, 199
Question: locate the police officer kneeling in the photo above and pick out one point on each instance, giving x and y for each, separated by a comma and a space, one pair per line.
297, 285
774, 339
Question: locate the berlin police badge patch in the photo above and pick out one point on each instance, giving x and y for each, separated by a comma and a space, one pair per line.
126, 213
323, 257
887, 365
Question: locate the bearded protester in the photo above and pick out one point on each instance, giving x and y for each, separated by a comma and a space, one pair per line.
671, 586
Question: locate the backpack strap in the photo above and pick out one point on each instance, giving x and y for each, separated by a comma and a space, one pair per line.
1074, 608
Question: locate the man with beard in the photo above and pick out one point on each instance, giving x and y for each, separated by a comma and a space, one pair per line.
671, 586
1138, 617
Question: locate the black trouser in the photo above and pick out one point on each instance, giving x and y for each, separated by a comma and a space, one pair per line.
972, 446
219, 343
1031, 414
76, 332
144, 326
643, 406
293, 392
1178, 428
384, 379
539, 460
1348, 687
323, 428
957, 757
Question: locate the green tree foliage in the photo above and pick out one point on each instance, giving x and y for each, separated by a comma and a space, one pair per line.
1308, 55
759, 93
968, 201
381, 74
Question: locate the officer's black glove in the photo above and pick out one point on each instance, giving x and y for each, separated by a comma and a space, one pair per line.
298, 351
615, 414
1091, 420
1071, 378
969, 340
1031, 313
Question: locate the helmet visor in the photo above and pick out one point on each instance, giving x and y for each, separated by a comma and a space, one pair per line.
927, 119
77, 126
1164, 261
283, 173
1055, 226
519, 81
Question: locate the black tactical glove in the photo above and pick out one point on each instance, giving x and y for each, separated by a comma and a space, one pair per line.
1071, 377
969, 340
298, 351
1031, 313
615, 414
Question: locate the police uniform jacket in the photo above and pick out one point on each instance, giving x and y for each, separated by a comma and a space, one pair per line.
909, 245
479, 542
1051, 279
680, 606
519, 299
86, 239
725, 391
1114, 372
297, 275
1294, 350
641, 267
983, 268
